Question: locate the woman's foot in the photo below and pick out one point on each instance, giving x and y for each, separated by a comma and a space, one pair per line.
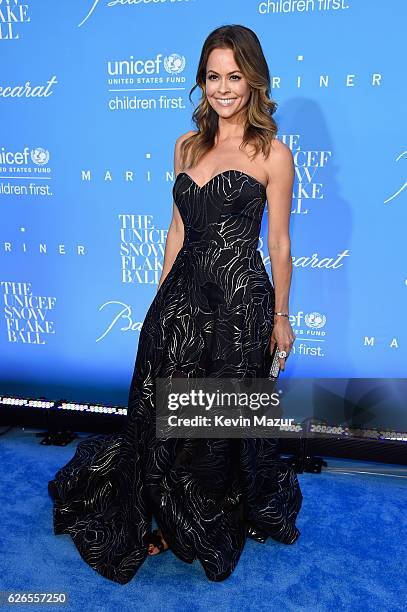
157, 543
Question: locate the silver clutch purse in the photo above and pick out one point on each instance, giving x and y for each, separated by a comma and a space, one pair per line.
275, 364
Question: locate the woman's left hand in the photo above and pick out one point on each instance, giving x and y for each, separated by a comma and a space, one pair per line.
284, 336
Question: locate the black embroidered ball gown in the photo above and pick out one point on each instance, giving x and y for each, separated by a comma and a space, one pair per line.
212, 316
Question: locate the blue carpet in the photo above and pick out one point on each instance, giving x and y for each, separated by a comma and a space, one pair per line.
351, 554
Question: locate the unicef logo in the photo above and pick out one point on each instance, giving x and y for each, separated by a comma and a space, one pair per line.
174, 63
40, 156
316, 320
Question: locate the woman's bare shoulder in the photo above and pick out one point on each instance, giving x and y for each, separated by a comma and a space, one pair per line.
280, 158
177, 148
186, 135
279, 149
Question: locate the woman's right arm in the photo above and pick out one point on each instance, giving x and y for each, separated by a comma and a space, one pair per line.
175, 234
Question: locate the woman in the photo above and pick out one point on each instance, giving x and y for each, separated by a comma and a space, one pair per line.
216, 313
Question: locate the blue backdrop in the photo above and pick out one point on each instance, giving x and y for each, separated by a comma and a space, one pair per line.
93, 95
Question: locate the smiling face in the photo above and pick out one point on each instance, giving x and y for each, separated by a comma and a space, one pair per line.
227, 89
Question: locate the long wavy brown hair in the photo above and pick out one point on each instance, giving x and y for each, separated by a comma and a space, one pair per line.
260, 128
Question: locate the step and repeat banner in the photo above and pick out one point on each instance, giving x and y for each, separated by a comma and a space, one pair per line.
93, 95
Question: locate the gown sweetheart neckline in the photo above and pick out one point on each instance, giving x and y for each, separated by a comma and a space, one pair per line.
241, 172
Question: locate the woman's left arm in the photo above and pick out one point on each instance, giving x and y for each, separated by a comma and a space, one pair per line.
280, 168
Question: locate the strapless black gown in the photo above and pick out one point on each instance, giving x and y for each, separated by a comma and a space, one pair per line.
212, 316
